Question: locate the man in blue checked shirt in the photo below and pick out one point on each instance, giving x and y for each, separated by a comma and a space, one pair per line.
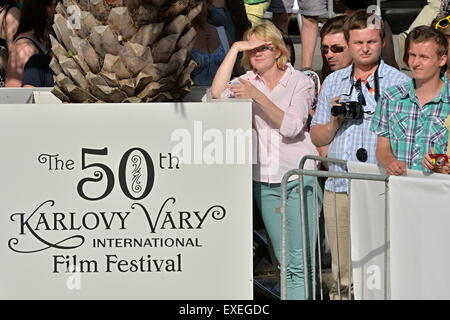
351, 139
409, 119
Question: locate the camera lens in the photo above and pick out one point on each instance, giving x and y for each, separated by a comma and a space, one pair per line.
361, 154
336, 111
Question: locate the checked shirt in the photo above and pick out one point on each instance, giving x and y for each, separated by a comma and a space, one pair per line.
412, 129
353, 134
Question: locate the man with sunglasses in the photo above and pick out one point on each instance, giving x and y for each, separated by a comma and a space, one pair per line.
335, 54
350, 139
409, 118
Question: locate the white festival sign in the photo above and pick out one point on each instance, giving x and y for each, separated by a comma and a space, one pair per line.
94, 205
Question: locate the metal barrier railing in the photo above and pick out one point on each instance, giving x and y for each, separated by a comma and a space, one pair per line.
325, 174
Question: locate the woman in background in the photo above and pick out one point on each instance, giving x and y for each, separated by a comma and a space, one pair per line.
9, 22
32, 37
210, 47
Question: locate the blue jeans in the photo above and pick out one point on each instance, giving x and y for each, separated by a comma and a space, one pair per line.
268, 199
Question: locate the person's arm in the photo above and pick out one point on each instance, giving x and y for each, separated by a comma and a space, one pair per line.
380, 126
323, 152
296, 116
246, 90
12, 23
275, 114
225, 70
323, 125
323, 134
291, 120
22, 51
385, 157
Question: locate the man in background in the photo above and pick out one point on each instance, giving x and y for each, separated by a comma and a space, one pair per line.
335, 53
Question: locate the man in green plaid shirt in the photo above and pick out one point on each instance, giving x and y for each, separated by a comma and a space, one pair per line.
409, 118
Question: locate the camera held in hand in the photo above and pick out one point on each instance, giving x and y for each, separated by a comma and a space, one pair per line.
439, 160
348, 110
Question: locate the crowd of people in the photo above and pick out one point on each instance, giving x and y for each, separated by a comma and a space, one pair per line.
367, 109
399, 125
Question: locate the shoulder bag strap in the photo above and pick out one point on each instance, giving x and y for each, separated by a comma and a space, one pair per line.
223, 38
36, 44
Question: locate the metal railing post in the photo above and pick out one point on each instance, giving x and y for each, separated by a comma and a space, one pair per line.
316, 173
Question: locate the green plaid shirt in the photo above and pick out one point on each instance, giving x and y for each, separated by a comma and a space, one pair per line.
412, 129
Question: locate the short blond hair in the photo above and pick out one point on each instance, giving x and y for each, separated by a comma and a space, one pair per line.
267, 31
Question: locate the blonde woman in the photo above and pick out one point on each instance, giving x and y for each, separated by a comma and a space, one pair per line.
282, 98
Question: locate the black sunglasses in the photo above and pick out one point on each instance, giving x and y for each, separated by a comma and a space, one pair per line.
334, 48
261, 49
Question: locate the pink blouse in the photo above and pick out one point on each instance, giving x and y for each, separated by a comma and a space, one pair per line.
280, 150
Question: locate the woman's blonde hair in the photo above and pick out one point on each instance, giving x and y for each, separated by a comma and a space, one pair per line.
268, 32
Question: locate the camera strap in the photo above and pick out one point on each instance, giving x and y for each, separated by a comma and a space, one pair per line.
376, 81
361, 153
377, 84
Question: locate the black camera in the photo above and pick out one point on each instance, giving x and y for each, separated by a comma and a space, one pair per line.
348, 110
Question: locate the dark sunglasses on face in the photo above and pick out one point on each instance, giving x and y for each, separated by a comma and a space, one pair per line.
261, 49
334, 48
